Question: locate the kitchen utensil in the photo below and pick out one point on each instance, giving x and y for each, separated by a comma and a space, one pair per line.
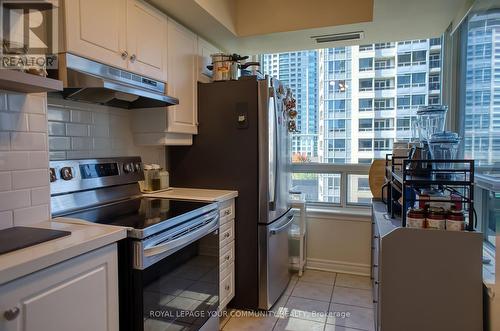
376, 178
430, 120
221, 66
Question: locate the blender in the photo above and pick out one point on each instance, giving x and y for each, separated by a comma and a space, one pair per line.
444, 146
430, 120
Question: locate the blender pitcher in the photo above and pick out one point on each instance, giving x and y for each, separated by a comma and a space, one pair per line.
430, 120
444, 146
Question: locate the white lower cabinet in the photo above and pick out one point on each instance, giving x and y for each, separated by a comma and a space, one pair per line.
227, 253
80, 294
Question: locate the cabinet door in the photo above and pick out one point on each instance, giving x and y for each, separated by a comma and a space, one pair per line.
182, 79
146, 40
205, 49
96, 30
78, 295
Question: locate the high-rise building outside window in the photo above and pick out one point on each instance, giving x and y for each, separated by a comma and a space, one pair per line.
353, 103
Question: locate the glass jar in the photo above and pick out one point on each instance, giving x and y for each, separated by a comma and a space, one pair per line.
455, 220
436, 218
415, 218
430, 119
155, 178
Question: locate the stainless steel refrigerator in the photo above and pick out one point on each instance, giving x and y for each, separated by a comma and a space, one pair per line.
243, 144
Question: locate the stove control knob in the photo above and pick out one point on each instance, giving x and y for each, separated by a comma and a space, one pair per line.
128, 168
137, 166
52, 174
66, 173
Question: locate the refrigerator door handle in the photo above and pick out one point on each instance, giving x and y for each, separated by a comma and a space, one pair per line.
273, 148
282, 227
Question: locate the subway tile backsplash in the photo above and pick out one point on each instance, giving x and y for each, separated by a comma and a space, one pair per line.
81, 130
24, 181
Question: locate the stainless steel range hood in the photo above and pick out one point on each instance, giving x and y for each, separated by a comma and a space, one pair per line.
94, 82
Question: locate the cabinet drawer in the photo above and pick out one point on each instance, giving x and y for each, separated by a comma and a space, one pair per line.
226, 233
226, 211
226, 291
226, 255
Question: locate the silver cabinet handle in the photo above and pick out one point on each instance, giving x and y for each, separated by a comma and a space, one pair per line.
227, 212
11, 314
124, 55
133, 58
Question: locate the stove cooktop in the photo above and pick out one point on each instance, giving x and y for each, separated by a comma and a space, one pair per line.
140, 213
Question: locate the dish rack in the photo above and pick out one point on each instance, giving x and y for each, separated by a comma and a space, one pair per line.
404, 181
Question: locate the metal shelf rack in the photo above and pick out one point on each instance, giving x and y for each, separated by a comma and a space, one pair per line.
404, 179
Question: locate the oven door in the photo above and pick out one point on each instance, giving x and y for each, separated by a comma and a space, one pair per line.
180, 291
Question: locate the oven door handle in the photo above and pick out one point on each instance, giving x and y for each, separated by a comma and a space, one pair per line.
191, 236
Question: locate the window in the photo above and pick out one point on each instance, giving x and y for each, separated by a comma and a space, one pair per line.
418, 100
365, 104
382, 144
434, 82
384, 45
337, 141
384, 63
384, 124
384, 104
404, 59
434, 100
365, 124
404, 80
365, 145
403, 124
434, 60
365, 64
435, 42
366, 84
418, 79
339, 145
419, 57
384, 84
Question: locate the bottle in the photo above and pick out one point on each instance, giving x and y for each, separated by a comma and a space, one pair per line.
148, 171
155, 178
164, 179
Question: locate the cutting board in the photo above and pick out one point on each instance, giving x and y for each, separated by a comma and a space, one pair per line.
18, 237
376, 178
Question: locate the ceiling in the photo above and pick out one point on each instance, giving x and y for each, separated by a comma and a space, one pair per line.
261, 26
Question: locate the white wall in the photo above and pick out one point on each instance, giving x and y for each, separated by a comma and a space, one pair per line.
339, 242
82, 130
24, 179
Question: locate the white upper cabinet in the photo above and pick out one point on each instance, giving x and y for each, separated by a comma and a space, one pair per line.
182, 79
127, 34
205, 49
97, 30
146, 40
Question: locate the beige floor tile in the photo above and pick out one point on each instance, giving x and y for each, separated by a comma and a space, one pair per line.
330, 327
313, 291
250, 321
351, 316
319, 277
296, 324
290, 286
363, 282
352, 296
307, 309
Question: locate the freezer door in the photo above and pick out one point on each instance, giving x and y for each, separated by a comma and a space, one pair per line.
274, 273
274, 156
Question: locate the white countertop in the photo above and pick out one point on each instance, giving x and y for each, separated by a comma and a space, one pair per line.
195, 194
84, 238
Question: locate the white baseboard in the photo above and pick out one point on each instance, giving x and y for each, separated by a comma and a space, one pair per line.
339, 266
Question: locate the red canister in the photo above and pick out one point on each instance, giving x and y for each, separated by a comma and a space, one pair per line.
455, 220
436, 218
415, 218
